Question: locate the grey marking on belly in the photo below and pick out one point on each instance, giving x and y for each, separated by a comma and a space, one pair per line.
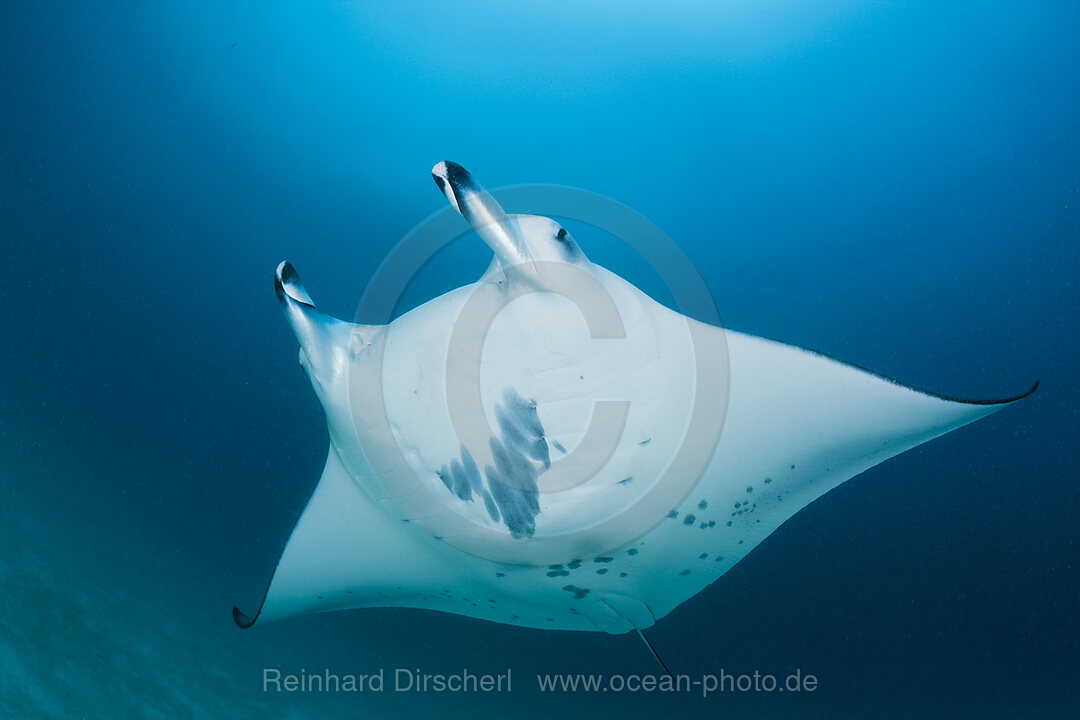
522, 432
577, 592
521, 454
462, 477
492, 508
513, 487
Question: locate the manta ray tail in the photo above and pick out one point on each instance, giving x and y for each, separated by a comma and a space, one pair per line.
640, 635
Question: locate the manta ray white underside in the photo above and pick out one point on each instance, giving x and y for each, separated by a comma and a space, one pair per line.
549, 447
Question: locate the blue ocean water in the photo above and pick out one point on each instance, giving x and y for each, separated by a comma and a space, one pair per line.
895, 184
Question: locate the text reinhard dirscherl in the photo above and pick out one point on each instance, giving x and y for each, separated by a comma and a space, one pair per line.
466, 681
400, 680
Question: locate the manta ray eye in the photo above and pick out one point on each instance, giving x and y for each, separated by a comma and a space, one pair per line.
561, 236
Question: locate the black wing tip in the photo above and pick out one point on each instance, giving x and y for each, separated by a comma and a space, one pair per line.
242, 620
1031, 391
1003, 401
894, 381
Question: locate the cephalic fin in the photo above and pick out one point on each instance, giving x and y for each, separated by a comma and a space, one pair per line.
325, 341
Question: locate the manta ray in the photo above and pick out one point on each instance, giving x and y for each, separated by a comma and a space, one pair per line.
551, 448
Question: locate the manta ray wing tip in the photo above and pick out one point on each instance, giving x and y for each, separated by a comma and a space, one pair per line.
1005, 401
242, 620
